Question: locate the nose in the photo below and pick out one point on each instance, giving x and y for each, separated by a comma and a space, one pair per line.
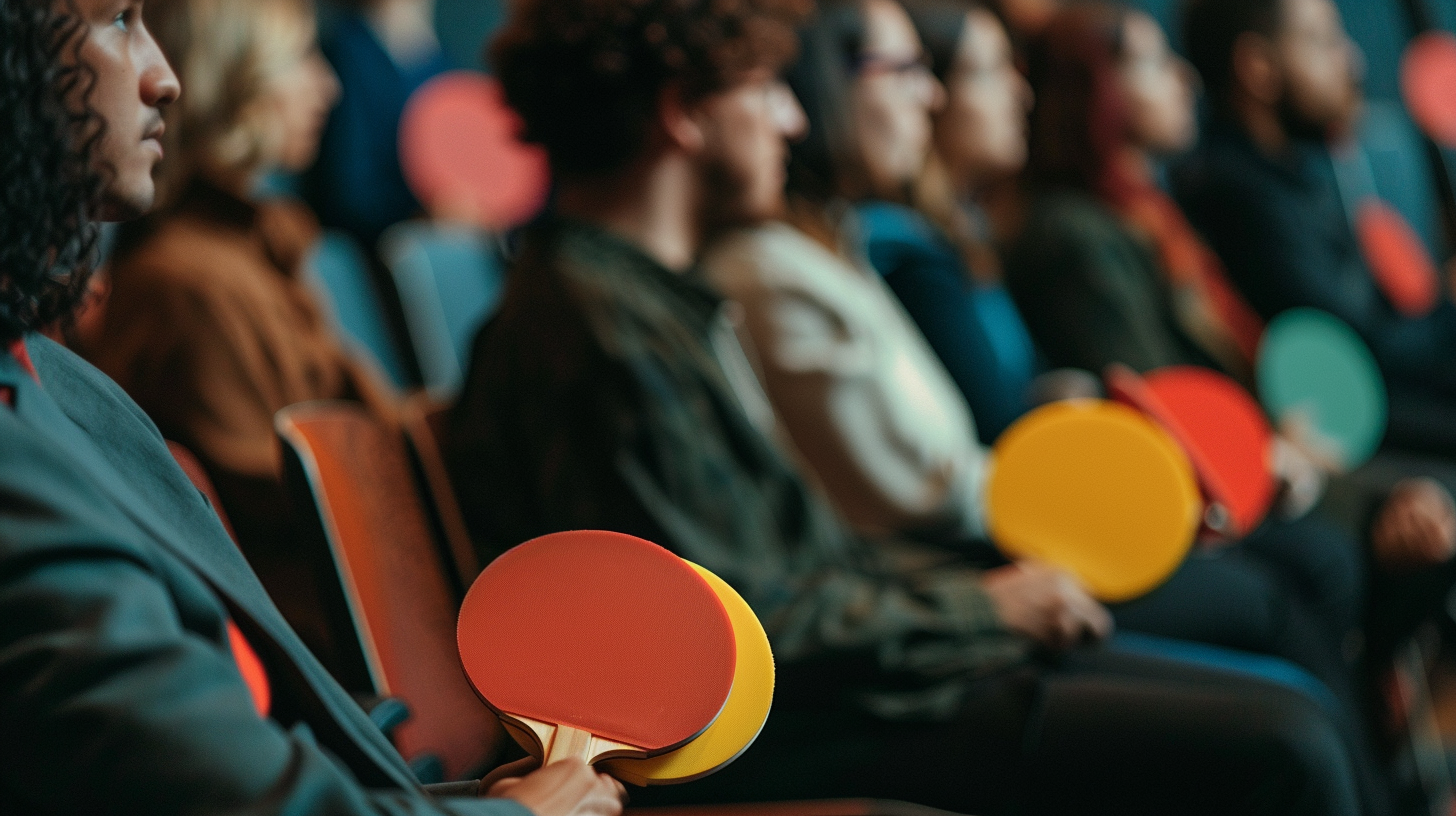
159, 84
934, 93
788, 114
328, 79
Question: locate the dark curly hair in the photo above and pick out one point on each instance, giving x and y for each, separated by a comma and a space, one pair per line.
586, 75
50, 186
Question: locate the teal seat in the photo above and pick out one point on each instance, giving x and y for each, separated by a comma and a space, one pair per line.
340, 275
449, 280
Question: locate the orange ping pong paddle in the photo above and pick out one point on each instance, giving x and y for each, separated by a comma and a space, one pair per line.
1427, 75
460, 152
1220, 427
598, 645
1398, 259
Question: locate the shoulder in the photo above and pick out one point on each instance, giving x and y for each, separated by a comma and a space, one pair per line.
48, 510
768, 257
85, 393
1066, 234
1224, 169
898, 239
122, 435
180, 258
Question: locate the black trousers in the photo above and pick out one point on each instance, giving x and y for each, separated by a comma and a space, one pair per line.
1088, 732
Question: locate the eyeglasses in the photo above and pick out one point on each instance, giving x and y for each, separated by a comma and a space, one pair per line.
917, 66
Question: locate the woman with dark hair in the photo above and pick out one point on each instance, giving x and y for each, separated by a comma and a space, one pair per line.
867, 404
937, 256
125, 610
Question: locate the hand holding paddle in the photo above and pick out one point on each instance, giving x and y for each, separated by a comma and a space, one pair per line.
597, 645
568, 788
1047, 604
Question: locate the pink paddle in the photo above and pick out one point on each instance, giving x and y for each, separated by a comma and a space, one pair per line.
598, 644
1223, 431
1398, 259
460, 151
1427, 77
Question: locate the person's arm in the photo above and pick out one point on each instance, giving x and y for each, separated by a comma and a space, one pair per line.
890, 440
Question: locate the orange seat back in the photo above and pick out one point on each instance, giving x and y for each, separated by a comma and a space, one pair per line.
398, 593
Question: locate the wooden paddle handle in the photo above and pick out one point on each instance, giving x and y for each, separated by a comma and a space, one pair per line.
558, 742
568, 742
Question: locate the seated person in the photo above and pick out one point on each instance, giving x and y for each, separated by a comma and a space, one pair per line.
383, 51
860, 393
211, 325
1282, 83
610, 392
1108, 271
942, 265
125, 611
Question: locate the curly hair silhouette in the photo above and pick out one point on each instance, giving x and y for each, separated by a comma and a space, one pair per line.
50, 183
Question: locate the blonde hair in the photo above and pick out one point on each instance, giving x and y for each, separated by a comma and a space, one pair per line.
228, 54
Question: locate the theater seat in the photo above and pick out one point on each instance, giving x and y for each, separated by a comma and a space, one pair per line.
449, 279
356, 476
339, 273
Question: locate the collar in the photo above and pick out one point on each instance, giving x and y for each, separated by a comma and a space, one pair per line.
20, 358
595, 247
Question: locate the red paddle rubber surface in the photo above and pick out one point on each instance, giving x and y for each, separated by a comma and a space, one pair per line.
1398, 259
460, 152
1427, 76
1221, 429
602, 632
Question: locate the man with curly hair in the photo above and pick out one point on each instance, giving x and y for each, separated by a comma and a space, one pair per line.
125, 610
611, 391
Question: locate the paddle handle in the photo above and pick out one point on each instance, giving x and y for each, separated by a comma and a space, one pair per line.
568, 742
558, 742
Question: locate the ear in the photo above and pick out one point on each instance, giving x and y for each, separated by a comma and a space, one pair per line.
1256, 69
679, 125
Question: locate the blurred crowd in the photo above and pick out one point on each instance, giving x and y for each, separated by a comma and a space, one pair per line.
799, 267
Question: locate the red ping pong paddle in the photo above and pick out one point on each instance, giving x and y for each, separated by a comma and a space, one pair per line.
599, 645
1398, 259
460, 152
1221, 428
1427, 76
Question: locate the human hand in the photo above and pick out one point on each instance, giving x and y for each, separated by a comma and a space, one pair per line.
1301, 478
1045, 603
566, 788
1416, 527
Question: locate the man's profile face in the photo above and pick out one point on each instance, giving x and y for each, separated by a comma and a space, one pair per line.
745, 152
1319, 65
133, 83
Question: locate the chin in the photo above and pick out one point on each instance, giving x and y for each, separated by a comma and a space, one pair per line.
125, 205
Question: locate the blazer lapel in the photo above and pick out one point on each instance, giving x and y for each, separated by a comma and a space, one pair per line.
213, 557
